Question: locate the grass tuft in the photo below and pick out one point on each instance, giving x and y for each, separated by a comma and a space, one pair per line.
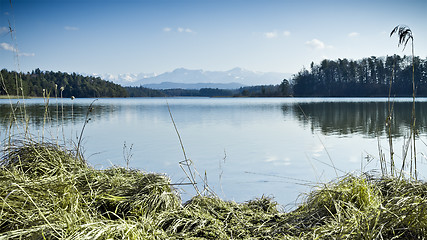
46, 192
40, 159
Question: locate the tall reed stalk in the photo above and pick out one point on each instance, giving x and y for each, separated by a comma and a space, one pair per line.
404, 34
16, 121
389, 124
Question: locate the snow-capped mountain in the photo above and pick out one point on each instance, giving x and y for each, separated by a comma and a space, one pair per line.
125, 79
193, 79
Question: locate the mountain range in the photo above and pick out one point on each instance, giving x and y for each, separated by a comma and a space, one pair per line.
196, 79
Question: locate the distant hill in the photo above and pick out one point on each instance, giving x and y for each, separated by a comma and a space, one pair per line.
197, 79
173, 85
124, 79
39, 83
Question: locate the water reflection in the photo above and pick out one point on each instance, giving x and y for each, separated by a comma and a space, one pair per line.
365, 118
39, 113
342, 118
253, 144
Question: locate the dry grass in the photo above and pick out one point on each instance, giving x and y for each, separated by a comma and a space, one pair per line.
48, 193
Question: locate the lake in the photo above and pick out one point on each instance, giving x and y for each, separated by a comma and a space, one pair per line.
245, 147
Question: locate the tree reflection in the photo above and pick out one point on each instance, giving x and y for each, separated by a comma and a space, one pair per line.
38, 115
329, 117
366, 118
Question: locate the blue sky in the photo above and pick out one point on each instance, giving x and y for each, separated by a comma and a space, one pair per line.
131, 36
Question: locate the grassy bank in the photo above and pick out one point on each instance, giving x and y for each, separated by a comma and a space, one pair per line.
48, 193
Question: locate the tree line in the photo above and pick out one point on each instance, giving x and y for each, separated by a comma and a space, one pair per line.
368, 77
281, 90
38, 84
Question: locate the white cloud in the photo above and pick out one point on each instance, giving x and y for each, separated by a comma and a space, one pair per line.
70, 28
276, 34
8, 47
317, 44
3, 30
179, 29
270, 34
353, 34
185, 30
27, 54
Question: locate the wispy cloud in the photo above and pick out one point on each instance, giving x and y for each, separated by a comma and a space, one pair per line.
276, 34
70, 28
317, 44
8, 47
185, 30
26, 54
4, 29
353, 34
179, 29
271, 34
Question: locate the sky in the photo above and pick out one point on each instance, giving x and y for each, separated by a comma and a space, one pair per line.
156, 36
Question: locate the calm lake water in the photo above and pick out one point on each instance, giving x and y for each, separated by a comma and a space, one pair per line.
248, 147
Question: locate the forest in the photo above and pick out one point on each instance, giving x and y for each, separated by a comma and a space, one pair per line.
56, 84
368, 77
282, 90
38, 84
